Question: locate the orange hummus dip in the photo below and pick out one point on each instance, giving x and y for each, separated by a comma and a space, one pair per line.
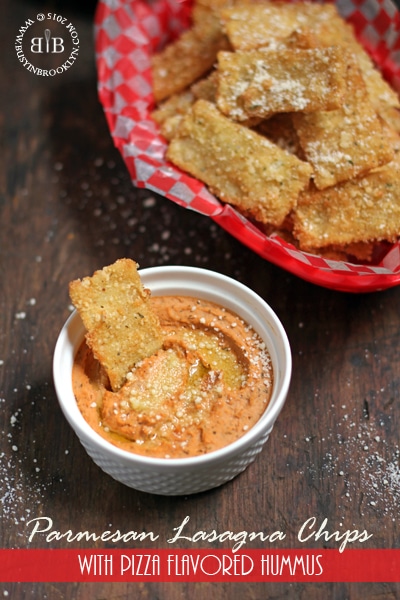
209, 383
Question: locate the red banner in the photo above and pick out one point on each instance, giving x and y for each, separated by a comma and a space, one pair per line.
199, 565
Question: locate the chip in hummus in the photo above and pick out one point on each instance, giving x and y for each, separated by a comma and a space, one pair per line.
121, 327
203, 379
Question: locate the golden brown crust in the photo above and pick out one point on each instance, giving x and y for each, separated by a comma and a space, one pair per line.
121, 327
340, 126
347, 142
366, 209
187, 59
261, 83
169, 113
240, 166
253, 26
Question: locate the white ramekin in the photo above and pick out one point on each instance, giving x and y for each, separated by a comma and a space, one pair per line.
182, 476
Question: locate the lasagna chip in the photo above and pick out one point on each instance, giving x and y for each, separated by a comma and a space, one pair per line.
239, 165
364, 209
121, 327
347, 142
266, 82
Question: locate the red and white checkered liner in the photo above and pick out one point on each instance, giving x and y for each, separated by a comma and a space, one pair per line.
127, 33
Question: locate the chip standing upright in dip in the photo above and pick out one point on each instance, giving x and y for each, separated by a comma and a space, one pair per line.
208, 383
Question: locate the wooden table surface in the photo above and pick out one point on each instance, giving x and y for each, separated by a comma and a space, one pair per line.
67, 208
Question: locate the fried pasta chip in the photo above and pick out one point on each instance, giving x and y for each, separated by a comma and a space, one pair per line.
278, 109
121, 327
206, 88
240, 166
347, 142
359, 251
168, 373
178, 104
186, 59
364, 209
254, 25
381, 94
391, 117
265, 82
337, 32
169, 113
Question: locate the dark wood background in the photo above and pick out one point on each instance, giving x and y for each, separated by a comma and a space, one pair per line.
67, 208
